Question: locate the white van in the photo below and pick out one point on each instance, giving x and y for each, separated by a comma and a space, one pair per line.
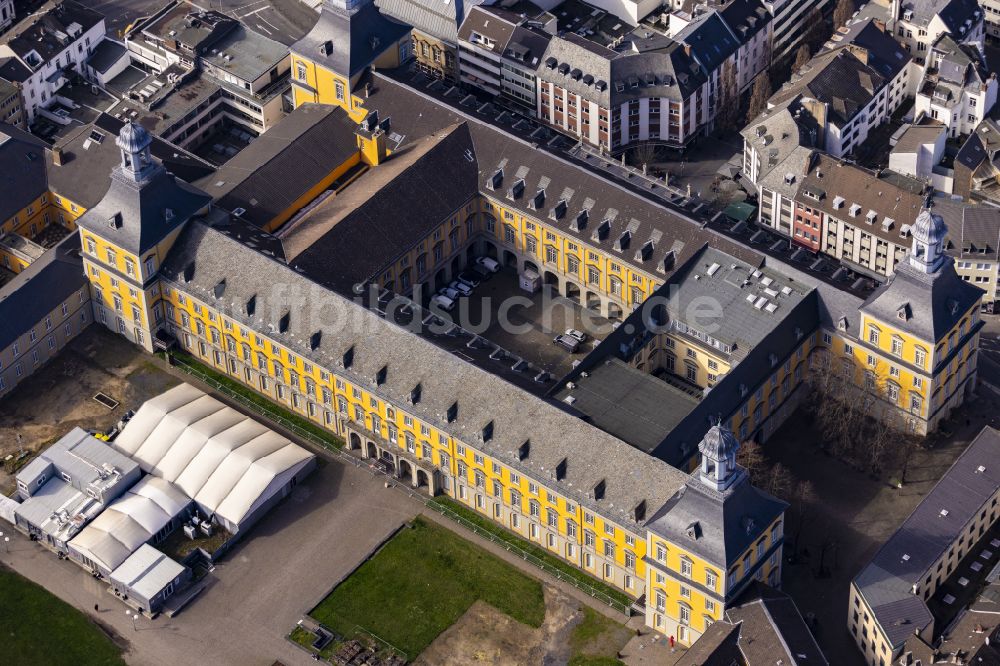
489, 264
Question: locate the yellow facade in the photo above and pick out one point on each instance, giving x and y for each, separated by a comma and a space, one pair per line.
317, 84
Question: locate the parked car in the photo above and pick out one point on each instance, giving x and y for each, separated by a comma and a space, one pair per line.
578, 335
469, 278
448, 292
480, 272
569, 343
443, 302
461, 287
489, 264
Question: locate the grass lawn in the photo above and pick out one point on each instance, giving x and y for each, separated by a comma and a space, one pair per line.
38, 628
261, 403
567, 569
596, 640
420, 583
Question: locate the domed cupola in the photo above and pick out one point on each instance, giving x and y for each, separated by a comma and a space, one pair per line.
927, 251
718, 457
134, 141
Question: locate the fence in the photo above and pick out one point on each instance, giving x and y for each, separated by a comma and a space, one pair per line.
276, 416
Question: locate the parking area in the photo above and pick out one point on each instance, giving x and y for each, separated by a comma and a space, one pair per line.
525, 323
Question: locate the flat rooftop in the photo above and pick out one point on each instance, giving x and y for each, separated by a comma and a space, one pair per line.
628, 403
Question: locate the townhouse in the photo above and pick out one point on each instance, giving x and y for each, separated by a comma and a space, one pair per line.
918, 24
55, 45
957, 90
894, 602
11, 102
973, 239
434, 32
854, 85
976, 168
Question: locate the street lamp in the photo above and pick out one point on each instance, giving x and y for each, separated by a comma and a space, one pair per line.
133, 616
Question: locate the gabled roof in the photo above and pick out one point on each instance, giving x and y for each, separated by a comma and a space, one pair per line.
904, 559
884, 53
380, 215
283, 164
431, 17
40, 288
771, 629
346, 42
710, 39
51, 33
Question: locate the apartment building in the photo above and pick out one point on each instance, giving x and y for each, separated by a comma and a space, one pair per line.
41, 309
890, 611
11, 103
792, 20
183, 40
957, 90
918, 24
976, 168
434, 32
973, 239
50, 49
854, 85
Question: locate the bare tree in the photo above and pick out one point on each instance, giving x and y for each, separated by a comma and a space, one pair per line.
644, 155
729, 99
842, 13
802, 56
803, 496
751, 458
779, 481
818, 30
759, 95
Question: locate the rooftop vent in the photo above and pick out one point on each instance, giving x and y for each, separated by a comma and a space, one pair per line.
602, 231
599, 490
524, 450
561, 469
415, 394
315, 339
381, 375
284, 322
252, 305
623, 241
220, 288
487, 432
644, 252
348, 358
452, 413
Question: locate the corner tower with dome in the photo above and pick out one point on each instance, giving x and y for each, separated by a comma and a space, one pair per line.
708, 544
919, 333
127, 235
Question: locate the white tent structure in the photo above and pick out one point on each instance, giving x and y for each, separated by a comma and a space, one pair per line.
233, 467
149, 509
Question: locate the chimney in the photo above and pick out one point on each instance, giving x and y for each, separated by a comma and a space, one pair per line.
57, 156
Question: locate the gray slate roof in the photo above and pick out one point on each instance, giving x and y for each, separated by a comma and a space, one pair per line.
206, 257
728, 522
904, 559
936, 301
40, 288
148, 210
22, 170
354, 39
431, 17
771, 629
252, 55
380, 219
284, 163
42, 35
107, 53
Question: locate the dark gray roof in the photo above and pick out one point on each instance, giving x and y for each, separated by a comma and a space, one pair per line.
90, 149
631, 404
490, 21
106, 54
347, 42
838, 79
431, 17
728, 521
972, 153
937, 301
146, 211
379, 216
885, 54
745, 17
973, 229
527, 45
202, 258
283, 164
903, 561
11, 69
48, 34
710, 39
771, 629
40, 288
718, 646
22, 170
954, 13
245, 54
